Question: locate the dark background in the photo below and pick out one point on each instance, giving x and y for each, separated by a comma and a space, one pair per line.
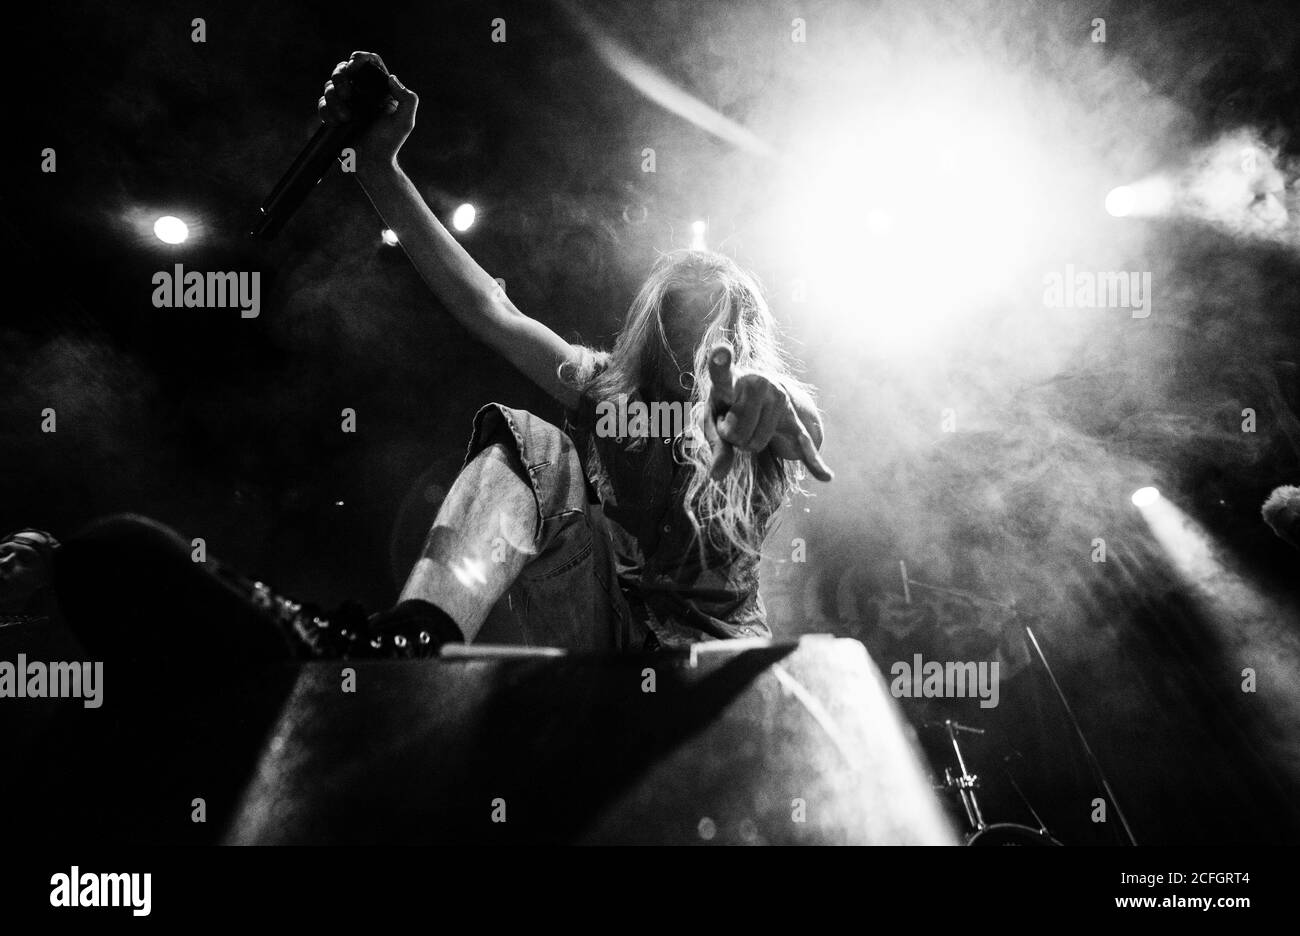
228, 428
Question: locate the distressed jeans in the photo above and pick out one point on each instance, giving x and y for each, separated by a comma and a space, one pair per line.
568, 595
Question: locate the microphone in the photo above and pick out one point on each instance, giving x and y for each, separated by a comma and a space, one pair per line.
369, 90
1282, 513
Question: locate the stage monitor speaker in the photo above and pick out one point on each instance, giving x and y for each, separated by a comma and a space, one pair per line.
730, 742
736, 742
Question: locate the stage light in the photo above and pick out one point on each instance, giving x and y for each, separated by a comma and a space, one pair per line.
1146, 198
697, 235
879, 222
1254, 630
390, 237
1145, 497
463, 219
171, 230
899, 234
1120, 201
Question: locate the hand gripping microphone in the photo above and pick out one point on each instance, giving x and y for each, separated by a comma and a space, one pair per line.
369, 91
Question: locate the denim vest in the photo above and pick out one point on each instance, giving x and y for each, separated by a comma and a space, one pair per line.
681, 596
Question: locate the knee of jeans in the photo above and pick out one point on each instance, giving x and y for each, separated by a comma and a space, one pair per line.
507, 454
501, 442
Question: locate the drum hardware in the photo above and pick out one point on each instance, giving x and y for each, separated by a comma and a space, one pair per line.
1042, 826
1078, 730
910, 583
965, 783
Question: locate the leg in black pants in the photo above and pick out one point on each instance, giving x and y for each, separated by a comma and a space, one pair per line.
129, 588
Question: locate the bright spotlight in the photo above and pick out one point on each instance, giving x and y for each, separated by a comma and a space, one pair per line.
1145, 497
171, 230
390, 238
1120, 202
876, 202
1145, 198
879, 222
697, 235
463, 218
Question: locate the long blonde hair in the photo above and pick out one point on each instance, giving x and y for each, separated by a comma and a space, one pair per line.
732, 513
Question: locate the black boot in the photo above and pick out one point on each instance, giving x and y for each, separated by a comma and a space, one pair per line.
412, 628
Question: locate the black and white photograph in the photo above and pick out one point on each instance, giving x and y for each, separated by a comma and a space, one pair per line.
539, 423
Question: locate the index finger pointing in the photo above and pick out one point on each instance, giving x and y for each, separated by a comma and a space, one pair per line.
723, 392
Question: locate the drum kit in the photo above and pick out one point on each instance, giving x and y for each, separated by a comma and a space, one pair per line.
964, 784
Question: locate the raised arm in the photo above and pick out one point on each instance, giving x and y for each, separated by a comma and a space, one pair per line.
471, 296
